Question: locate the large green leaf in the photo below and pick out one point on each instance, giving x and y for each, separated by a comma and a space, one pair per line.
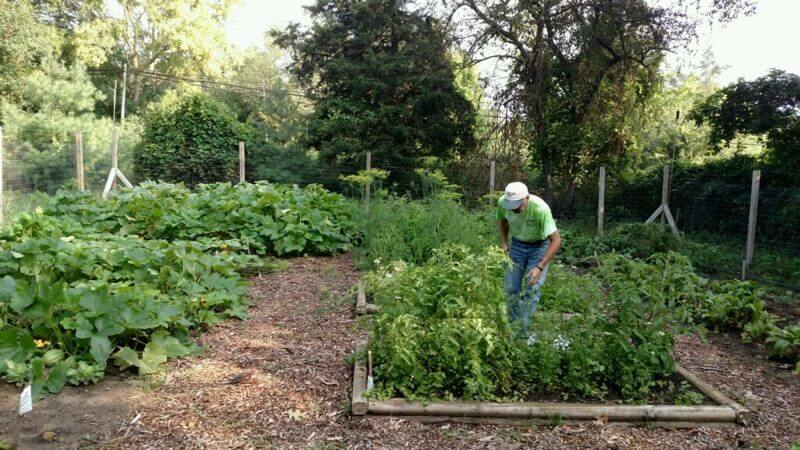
100, 348
15, 345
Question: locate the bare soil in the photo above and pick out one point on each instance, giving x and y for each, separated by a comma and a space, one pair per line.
281, 379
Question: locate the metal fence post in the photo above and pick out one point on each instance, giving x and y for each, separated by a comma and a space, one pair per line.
79, 160
601, 201
241, 162
751, 224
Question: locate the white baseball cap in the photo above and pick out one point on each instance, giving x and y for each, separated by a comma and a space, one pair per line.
514, 195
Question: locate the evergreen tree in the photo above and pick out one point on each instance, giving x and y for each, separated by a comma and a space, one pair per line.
383, 81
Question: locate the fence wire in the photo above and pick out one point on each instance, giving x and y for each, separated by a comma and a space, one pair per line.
707, 211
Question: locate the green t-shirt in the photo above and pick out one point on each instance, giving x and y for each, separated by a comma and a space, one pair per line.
535, 223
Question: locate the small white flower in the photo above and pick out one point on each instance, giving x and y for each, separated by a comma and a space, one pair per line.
532, 338
561, 343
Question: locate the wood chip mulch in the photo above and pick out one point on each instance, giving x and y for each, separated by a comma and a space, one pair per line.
281, 379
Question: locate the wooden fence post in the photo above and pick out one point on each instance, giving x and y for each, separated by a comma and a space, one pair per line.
367, 188
751, 224
2, 156
665, 193
601, 201
241, 162
79, 160
491, 182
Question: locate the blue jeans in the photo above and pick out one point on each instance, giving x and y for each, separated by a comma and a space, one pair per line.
522, 303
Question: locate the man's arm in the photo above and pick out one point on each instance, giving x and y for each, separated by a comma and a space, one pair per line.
555, 244
502, 225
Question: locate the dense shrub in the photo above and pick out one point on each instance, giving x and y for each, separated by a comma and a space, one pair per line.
192, 138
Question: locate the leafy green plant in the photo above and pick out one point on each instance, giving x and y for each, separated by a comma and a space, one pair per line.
759, 328
398, 228
257, 218
688, 396
68, 304
785, 342
731, 305
443, 332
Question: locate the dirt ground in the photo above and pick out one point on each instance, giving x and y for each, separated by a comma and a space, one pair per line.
281, 379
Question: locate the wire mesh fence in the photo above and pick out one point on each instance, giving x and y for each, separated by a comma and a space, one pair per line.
707, 211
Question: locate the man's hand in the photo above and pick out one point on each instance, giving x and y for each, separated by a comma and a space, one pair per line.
505, 248
534, 276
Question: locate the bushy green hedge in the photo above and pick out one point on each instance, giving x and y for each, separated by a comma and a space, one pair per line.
193, 139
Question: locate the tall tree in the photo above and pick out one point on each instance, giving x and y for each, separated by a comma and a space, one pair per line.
767, 106
24, 41
172, 37
576, 67
382, 80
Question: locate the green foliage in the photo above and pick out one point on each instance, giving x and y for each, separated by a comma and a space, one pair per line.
256, 218
364, 178
759, 328
25, 41
191, 138
383, 81
442, 331
724, 182
574, 83
399, 229
436, 182
58, 100
688, 396
95, 297
731, 305
785, 342
764, 106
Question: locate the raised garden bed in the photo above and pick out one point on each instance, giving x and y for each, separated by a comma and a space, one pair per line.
724, 411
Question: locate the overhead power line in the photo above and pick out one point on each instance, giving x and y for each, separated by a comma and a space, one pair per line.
204, 82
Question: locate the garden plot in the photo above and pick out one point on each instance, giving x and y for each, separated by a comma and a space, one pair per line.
725, 411
443, 349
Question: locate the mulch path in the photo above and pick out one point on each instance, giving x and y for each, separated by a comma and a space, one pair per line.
282, 379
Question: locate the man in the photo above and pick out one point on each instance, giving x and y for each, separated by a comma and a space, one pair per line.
527, 220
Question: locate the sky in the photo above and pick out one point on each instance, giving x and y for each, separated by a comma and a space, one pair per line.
747, 47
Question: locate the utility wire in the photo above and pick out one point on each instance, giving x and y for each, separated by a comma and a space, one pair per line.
203, 82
